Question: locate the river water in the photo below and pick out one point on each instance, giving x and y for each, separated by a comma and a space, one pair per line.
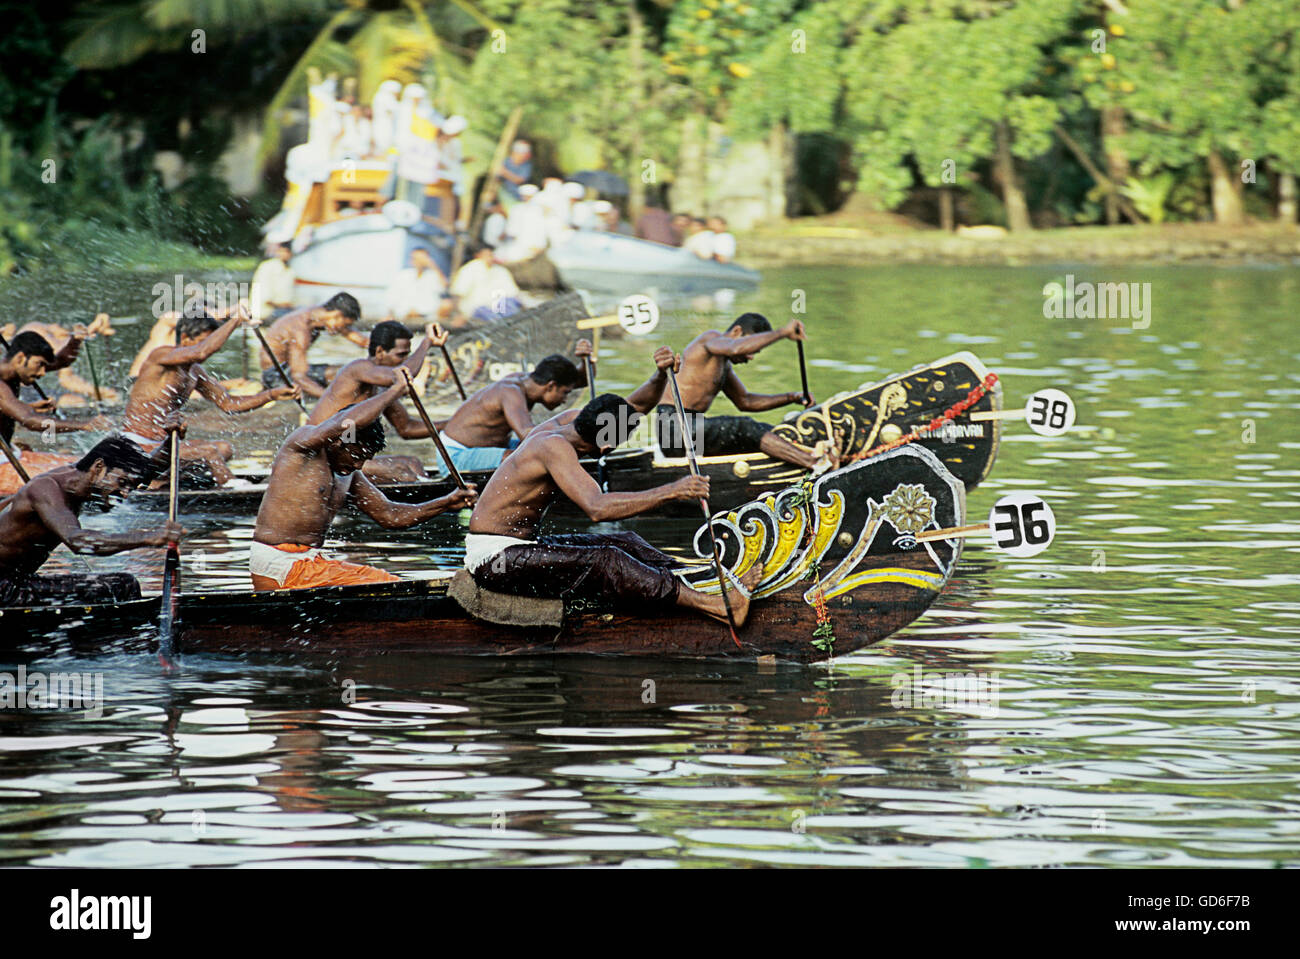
1142, 677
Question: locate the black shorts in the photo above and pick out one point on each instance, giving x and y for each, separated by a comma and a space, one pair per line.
317, 371
71, 589
722, 435
619, 569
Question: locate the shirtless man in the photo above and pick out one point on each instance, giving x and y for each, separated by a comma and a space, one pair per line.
707, 370
317, 471
28, 357
291, 336
504, 554
67, 347
163, 332
478, 437
642, 399
171, 373
390, 347
46, 511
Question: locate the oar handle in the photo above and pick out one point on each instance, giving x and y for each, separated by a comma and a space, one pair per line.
433, 432
261, 338
460, 388
173, 481
13, 460
591, 375
803, 373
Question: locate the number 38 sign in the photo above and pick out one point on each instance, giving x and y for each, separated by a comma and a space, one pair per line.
1049, 412
1021, 524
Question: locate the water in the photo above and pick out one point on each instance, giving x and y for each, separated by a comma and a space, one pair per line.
1145, 667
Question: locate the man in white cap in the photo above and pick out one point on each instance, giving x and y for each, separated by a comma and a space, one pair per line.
451, 177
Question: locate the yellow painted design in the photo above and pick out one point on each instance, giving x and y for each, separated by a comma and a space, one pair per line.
829, 517
908, 577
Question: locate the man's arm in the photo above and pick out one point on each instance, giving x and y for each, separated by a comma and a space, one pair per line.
733, 346
68, 355
357, 337
37, 420
47, 500
748, 402
515, 409
406, 426
181, 355
392, 515
647, 396
211, 389
313, 438
577, 484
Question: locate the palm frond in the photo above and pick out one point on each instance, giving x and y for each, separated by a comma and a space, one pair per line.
228, 15
117, 36
323, 51
479, 17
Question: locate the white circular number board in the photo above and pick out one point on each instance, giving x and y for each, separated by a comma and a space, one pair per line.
638, 314
1021, 524
1049, 412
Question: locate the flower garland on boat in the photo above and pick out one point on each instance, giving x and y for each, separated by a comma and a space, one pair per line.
824, 632
951, 413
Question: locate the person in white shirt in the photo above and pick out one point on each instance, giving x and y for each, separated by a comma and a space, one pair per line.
484, 289
700, 240
416, 293
417, 147
450, 167
724, 243
272, 290
525, 227
355, 133
383, 116
494, 225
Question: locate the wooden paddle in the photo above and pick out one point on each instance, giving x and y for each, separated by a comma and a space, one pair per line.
94, 378
278, 368
488, 191
600, 463
803, 374
704, 505
433, 433
13, 460
446, 355
171, 596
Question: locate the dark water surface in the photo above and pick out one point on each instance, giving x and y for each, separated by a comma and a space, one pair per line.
1144, 670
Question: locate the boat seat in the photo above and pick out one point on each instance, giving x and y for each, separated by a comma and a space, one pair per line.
501, 609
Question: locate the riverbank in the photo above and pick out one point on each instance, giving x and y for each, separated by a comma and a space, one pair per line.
833, 241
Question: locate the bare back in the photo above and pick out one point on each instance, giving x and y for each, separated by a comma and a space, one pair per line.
357, 381
484, 420
25, 540
302, 497
703, 373
293, 330
523, 486
158, 392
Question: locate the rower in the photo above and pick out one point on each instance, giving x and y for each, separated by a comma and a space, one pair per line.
46, 511
29, 356
317, 471
478, 435
67, 347
291, 336
390, 347
163, 332
708, 369
171, 373
642, 399
504, 554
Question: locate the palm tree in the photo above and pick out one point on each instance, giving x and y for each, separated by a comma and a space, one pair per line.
373, 41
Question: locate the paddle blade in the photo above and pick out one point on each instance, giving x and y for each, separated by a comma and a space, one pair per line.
169, 611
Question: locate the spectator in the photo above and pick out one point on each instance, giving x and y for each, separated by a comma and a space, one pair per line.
484, 289
272, 290
494, 225
451, 176
724, 243
383, 117
515, 171
655, 224
417, 148
416, 293
699, 239
681, 227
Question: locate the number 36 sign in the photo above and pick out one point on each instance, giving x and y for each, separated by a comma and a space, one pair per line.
1021, 524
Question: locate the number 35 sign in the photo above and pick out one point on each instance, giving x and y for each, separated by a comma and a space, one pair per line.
1021, 524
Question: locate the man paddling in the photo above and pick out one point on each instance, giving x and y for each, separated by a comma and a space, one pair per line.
169, 376
28, 357
390, 348
46, 512
504, 553
67, 347
642, 399
316, 472
478, 435
707, 370
291, 336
